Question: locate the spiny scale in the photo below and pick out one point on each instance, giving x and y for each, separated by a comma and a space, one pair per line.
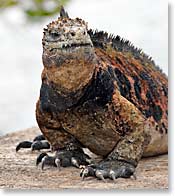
63, 13
119, 43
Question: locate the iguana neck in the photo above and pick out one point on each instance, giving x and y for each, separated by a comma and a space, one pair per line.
66, 75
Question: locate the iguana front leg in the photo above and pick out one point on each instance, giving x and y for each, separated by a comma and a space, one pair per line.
123, 159
121, 162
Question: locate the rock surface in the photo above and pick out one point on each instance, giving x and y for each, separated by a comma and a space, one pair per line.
18, 170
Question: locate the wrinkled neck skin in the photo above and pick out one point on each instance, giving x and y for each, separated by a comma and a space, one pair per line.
69, 72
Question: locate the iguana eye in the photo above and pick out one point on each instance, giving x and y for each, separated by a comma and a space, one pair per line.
55, 35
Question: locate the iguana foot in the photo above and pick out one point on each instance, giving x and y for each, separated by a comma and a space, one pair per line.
38, 143
64, 158
112, 169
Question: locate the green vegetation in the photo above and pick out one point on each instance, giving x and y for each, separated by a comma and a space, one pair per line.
35, 9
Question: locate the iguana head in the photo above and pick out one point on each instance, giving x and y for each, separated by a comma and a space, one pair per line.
68, 48
66, 33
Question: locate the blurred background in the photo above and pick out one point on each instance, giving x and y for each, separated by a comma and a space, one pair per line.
143, 22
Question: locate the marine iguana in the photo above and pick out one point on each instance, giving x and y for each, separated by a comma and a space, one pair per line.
99, 92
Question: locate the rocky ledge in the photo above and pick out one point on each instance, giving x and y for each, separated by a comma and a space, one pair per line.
18, 170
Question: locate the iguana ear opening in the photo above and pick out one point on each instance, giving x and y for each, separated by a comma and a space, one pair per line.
63, 13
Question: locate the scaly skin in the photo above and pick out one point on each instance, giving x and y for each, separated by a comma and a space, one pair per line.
102, 93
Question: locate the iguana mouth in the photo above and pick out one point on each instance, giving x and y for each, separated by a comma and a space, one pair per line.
71, 46
76, 45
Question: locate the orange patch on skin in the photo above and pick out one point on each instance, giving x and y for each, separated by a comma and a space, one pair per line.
71, 76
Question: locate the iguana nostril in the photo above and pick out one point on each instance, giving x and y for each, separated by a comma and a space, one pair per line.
73, 34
